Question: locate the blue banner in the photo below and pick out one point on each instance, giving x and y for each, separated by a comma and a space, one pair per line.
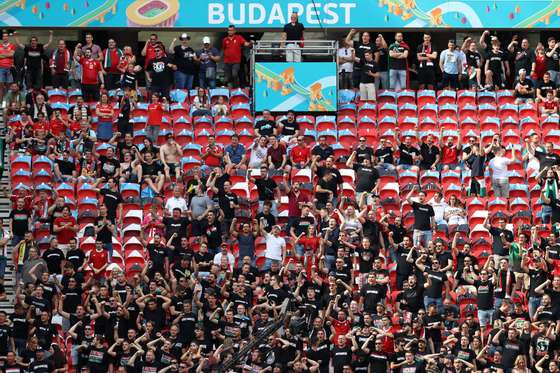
364, 14
298, 86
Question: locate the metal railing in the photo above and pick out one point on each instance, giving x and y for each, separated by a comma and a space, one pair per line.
323, 48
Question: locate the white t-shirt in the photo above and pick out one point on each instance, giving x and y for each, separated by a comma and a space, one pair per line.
258, 156
346, 66
218, 259
274, 246
174, 202
499, 167
439, 209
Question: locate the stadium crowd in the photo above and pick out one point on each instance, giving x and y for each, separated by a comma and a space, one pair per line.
161, 229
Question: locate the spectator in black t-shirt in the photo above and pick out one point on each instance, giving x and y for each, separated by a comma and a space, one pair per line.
293, 33
547, 158
20, 220
267, 189
524, 88
108, 165
366, 177
364, 44
424, 218
429, 154
523, 55
265, 126
474, 63
382, 60
499, 234
288, 127
545, 85
409, 154
495, 67
367, 79
553, 59
183, 58
34, 59
321, 151
426, 56
159, 71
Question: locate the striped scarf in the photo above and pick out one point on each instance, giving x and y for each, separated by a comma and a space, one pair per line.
55, 57
108, 57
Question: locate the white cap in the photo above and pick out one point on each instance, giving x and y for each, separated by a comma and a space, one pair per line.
206, 40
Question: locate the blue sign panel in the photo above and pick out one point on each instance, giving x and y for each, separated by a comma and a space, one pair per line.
275, 13
298, 86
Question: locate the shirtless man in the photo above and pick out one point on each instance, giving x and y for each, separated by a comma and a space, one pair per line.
170, 155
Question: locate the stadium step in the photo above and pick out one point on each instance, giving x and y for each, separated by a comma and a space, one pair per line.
7, 305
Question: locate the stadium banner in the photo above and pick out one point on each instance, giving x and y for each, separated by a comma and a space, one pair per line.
267, 14
298, 86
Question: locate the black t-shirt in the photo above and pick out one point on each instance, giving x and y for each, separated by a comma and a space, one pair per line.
173, 225
547, 159
160, 72
552, 61
372, 295
383, 59
184, 59
412, 299
527, 84
265, 188
422, 215
364, 153
104, 234
12, 368
495, 59
366, 69
43, 366
385, 155
265, 127
76, 257
294, 32
366, 177
427, 49
523, 58
429, 155
108, 166
151, 169
289, 128
360, 49
497, 245
546, 86
111, 199
158, 253
474, 59
438, 280
485, 295
66, 167
20, 326
407, 154
340, 357
19, 221
269, 221
226, 200
34, 56
53, 257
398, 63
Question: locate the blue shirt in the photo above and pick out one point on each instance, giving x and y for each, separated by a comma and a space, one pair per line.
235, 154
451, 61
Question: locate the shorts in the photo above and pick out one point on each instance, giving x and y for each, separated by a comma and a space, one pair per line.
6, 75
427, 76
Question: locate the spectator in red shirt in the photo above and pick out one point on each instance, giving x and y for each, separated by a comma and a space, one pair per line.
213, 154
232, 46
111, 60
155, 117
7, 51
449, 154
65, 228
92, 74
58, 124
105, 113
300, 155
98, 260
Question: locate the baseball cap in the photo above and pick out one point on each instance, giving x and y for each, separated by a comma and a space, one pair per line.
184, 36
206, 40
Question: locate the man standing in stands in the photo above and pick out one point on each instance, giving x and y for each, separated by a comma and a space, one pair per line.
159, 72
111, 60
34, 54
398, 65
293, 33
207, 56
450, 65
184, 57
424, 218
367, 80
60, 65
363, 45
149, 53
426, 58
96, 52
232, 46
7, 51
92, 74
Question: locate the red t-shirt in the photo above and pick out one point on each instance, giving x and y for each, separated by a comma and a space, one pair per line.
65, 235
90, 70
549, 105
214, 161
155, 114
98, 259
42, 125
232, 48
105, 110
57, 127
293, 203
449, 154
300, 154
150, 54
115, 59
7, 62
